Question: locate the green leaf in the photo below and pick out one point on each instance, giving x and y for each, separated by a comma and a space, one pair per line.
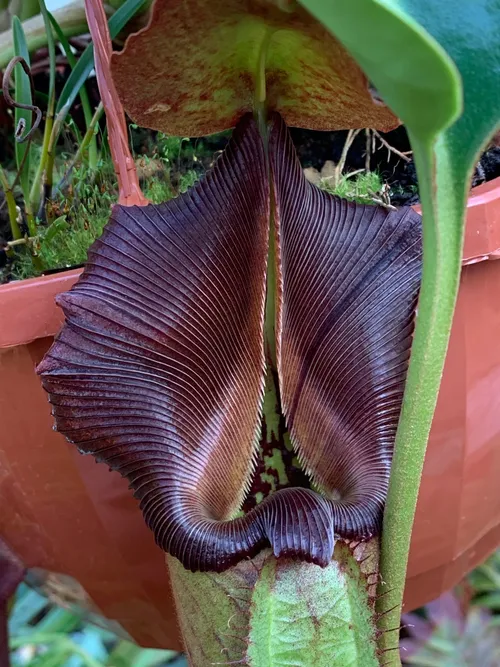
87, 109
271, 612
86, 62
52, 56
22, 95
411, 70
414, 73
469, 33
307, 616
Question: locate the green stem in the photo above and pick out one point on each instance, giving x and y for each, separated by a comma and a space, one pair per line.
84, 98
442, 250
49, 141
14, 225
11, 206
30, 218
86, 141
260, 107
26, 240
51, 154
35, 188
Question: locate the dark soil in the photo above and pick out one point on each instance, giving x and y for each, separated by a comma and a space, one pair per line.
315, 148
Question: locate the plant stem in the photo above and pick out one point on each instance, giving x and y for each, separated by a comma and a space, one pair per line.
339, 168
443, 232
14, 225
86, 141
260, 95
35, 188
24, 241
130, 192
34, 198
11, 206
86, 107
47, 158
51, 154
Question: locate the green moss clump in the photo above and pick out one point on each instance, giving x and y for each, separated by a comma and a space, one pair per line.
361, 188
83, 208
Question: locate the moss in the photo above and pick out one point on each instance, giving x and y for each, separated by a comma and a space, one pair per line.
360, 188
84, 208
81, 215
79, 219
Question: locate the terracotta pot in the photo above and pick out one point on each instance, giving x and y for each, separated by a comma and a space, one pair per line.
59, 510
458, 514
62, 512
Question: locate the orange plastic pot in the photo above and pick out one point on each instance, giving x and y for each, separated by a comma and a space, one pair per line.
457, 523
62, 512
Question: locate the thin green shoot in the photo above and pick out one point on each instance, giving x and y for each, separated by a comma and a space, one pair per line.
11, 205
46, 163
86, 106
22, 94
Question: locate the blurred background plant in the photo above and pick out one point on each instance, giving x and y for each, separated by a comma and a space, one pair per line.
43, 634
461, 628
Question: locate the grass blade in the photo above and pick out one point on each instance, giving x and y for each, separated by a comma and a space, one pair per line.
86, 107
49, 121
22, 94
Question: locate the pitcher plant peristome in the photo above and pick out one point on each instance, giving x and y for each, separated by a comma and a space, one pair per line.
159, 370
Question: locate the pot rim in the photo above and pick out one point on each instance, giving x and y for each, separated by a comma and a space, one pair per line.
28, 310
